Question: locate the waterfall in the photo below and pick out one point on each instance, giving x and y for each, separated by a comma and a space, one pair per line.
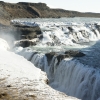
64, 33
77, 80
74, 76
67, 75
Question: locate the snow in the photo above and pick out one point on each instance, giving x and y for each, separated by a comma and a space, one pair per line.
19, 64
15, 63
4, 45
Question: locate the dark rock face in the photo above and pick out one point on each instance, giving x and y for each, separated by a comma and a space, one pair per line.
29, 32
70, 29
23, 33
50, 56
67, 54
26, 43
71, 53
98, 27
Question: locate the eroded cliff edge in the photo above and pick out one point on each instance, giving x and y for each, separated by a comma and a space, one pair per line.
10, 11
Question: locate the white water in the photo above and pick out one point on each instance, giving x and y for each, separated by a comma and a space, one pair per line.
77, 80
70, 76
58, 32
77, 77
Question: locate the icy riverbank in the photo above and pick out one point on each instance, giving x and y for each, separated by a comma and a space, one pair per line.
21, 80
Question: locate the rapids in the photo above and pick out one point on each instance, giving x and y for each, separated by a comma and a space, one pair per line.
70, 75
79, 77
58, 32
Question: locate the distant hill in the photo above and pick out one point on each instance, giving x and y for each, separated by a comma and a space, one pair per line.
10, 11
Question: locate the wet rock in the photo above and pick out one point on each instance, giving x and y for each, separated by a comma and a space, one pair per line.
29, 32
61, 56
50, 56
70, 29
72, 53
16, 33
25, 43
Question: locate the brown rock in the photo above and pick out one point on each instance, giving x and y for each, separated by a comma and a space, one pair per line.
72, 53
10, 11
25, 43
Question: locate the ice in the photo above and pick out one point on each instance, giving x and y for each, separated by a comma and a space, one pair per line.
19, 64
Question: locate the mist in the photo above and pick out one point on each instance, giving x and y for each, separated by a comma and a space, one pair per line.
10, 34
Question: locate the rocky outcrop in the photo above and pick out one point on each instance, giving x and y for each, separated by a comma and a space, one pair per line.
10, 11
61, 56
4, 15
28, 32
72, 53
26, 43
26, 35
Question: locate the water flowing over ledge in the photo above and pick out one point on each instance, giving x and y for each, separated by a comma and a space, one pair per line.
57, 32
67, 75
75, 76
21, 80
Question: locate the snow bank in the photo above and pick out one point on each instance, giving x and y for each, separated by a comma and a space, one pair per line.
4, 45
21, 80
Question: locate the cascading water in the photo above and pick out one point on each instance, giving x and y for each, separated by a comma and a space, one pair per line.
65, 33
69, 75
79, 77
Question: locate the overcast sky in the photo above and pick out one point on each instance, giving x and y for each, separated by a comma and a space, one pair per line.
77, 5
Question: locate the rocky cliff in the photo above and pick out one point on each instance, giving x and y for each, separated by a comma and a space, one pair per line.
10, 11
